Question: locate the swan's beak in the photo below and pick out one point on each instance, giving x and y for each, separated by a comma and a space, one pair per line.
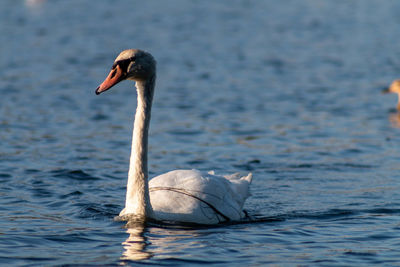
386, 90
115, 76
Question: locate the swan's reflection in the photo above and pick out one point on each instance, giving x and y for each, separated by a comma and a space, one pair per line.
394, 119
167, 241
174, 241
136, 243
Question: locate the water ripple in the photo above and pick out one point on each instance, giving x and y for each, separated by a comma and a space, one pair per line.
292, 96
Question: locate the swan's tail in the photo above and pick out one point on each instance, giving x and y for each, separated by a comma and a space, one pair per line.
236, 177
248, 178
240, 185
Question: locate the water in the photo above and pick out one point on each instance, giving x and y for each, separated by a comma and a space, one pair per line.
289, 90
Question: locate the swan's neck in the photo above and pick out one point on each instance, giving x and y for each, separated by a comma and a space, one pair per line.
137, 195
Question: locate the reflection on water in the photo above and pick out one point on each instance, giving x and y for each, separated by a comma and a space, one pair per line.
291, 97
147, 240
394, 119
136, 243
172, 242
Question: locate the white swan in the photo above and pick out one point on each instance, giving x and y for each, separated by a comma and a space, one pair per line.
181, 195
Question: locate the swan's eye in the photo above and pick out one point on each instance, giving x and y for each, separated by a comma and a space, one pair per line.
123, 64
113, 73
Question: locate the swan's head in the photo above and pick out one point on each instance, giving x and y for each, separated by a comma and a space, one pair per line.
131, 64
393, 88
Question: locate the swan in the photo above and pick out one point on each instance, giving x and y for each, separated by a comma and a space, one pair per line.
186, 196
394, 88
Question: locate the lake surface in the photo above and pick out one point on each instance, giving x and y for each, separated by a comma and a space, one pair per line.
289, 90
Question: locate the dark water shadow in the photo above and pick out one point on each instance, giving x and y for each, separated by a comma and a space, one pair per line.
331, 214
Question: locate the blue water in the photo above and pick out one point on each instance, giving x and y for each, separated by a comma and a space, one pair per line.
289, 90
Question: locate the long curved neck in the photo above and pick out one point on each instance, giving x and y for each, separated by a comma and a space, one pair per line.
137, 195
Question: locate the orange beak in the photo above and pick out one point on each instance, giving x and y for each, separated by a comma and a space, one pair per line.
115, 76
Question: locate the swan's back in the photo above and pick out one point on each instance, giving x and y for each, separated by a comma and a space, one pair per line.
195, 197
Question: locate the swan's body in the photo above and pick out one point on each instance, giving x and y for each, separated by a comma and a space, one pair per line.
192, 196
180, 195
394, 88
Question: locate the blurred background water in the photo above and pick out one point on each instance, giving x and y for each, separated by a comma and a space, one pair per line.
289, 90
